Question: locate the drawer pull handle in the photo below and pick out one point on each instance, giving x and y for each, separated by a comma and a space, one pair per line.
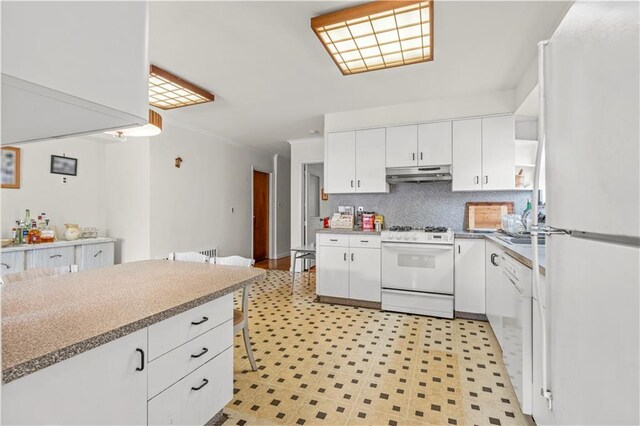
141, 360
204, 319
55, 255
364, 241
204, 383
204, 351
333, 239
96, 255
6, 266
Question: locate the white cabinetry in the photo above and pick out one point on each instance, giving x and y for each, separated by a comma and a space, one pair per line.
470, 276
540, 410
82, 67
402, 145
484, 154
467, 155
355, 162
12, 262
92, 256
493, 277
106, 385
50, 257
349, 268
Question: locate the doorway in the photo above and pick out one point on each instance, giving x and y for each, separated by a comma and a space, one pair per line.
314, 207
260, 215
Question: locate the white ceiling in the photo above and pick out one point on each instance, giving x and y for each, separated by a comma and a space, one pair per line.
273, 80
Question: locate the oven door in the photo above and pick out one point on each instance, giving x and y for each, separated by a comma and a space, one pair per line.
417, 267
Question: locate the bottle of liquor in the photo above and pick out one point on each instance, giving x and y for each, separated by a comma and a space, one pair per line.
34, 234
47, 233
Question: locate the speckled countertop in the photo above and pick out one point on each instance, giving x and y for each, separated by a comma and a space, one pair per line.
521, 252
62, 243
48, 320
346, 231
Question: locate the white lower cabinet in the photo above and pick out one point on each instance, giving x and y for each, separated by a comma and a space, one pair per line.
493, 277
92, 256
12, 262
196, 398
470, 275
50, 257
350, 270
100, 386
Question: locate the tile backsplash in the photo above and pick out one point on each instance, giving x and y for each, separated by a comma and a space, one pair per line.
425, 204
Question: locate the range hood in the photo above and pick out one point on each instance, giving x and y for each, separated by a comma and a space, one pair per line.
418, 174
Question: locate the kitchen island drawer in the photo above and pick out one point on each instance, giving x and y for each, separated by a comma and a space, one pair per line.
173, 332
195, 399
432, 304
176, 364
363, 240
50, 257
336, 240
12, 262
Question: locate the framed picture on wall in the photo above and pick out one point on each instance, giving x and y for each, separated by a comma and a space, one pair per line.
64, 165
10, 167
324, 196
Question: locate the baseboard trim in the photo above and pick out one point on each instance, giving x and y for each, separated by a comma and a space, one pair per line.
349, 302
471, 316
281, 255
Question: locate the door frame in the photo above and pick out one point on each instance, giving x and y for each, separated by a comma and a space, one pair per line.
271, 215
303, 204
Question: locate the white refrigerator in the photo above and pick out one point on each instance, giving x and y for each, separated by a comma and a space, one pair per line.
589, 124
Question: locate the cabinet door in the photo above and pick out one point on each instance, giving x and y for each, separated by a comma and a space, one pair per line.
50, 257
100, 386
498, 153
402, 144
341, 162
492, 285
12, 262
370, 161
469, 276
434, 144
92, 256
467, 155
333, 271
364, 274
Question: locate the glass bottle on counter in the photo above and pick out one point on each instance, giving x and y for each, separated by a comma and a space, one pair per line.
34, 234
47, 233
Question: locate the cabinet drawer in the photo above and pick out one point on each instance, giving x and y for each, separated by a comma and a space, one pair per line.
437, 305
50, 257
184, 404
173, 332
363, 240
12, 262
92, 256
172, 366
337, 240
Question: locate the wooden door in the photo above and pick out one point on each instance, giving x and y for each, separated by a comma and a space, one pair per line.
467, 155
260, 215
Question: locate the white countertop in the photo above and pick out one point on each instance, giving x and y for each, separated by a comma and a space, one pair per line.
62, 243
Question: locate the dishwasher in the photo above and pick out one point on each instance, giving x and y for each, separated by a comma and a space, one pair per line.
517, 326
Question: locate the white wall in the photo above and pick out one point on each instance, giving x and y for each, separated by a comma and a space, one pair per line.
282, 168
127, 193
81, 200
434, 109
303, 151
190, 207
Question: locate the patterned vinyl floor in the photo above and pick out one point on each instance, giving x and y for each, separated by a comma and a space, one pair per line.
337, 365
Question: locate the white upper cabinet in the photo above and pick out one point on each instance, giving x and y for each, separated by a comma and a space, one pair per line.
370, 161
484, 154
434, 144
341, 162
402, 146
467, 155
79, 67
498, 153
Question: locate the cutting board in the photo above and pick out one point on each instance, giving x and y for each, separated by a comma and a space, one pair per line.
481, 216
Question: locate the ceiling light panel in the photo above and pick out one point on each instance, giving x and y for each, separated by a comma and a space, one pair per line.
168, 91
377, 35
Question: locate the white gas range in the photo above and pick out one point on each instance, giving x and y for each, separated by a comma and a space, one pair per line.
417, 270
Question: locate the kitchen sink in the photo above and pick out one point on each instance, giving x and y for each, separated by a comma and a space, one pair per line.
521, 240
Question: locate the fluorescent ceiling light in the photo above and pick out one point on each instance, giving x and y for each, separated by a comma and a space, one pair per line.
377, 35
168, 91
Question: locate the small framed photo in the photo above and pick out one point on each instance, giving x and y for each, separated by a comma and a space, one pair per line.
10, 167
64, 165
324, 195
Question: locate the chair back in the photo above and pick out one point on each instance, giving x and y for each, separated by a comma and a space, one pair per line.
189, 256
33, 273
234, 261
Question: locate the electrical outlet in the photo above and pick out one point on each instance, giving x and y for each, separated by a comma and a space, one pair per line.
232, 210
360, 209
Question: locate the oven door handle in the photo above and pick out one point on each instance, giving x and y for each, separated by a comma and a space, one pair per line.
419, 246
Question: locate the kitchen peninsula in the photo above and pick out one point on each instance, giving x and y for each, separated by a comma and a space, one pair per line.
137, 343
